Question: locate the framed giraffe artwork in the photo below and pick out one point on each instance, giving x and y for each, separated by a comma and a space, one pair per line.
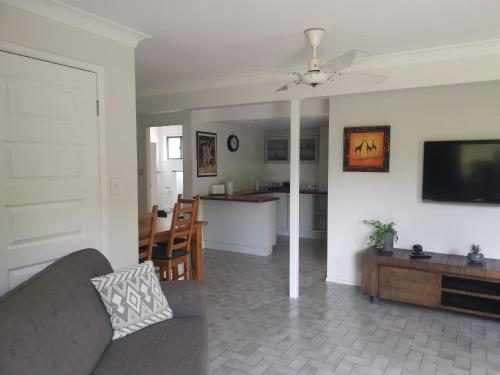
367, 149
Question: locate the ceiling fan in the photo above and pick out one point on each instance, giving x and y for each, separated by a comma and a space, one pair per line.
318, 74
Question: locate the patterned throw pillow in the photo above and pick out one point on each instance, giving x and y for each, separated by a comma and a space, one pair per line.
133, 298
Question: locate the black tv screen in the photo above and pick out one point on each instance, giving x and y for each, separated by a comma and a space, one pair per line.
462, 171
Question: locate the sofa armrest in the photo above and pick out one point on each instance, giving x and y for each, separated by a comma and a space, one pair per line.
186, 298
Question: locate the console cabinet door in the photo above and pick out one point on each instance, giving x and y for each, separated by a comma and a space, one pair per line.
411, 286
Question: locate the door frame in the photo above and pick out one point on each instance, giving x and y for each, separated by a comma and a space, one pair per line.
101, 123
149, 172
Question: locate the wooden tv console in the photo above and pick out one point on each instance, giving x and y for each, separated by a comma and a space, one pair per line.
443, 281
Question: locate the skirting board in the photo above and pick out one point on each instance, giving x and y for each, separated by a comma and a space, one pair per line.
339, 281
251, 250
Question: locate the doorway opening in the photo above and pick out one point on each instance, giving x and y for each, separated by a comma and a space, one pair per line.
261, 167
165, 166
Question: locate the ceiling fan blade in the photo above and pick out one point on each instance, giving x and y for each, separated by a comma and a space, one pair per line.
346, 60
287, 86
282, 88
372, 78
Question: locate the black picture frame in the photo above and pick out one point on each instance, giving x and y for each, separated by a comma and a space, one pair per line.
206, 154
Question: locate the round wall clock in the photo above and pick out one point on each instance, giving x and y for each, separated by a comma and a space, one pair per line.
233, 143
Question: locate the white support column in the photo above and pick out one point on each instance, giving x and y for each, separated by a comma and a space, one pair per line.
294, 196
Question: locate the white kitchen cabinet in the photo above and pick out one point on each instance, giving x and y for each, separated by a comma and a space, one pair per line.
306, 215
320, 208
282, 207
277, 149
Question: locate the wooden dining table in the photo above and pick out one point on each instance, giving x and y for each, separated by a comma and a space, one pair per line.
162, 233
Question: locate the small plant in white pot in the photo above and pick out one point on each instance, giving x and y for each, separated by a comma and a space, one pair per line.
475, 255
383, 236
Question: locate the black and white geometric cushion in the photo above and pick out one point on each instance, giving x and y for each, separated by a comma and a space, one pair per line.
133, 298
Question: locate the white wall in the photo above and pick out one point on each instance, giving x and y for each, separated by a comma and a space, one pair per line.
323, 159
26, 29
243, 166
469, 111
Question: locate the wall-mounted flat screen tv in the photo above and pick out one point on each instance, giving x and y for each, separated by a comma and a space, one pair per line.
462, 171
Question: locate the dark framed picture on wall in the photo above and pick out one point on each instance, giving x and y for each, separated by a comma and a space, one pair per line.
367, 149
206, 154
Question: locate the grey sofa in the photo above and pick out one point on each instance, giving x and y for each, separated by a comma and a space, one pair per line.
55, 323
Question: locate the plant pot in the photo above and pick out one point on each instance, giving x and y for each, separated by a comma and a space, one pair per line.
475, 258
388, 243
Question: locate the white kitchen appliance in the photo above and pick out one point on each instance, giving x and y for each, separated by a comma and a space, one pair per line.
229, 187
217, 189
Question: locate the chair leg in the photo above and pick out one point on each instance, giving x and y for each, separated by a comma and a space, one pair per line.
175, 272
164, 274
187, 269
167, 272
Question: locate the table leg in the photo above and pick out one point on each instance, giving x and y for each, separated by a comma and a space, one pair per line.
198, 255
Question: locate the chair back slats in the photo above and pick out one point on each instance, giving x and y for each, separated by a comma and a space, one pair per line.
182, 228
147, 224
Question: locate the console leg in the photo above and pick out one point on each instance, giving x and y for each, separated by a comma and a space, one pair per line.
373, 299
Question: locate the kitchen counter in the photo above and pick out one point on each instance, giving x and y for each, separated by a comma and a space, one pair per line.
247, 198
240, 223
280, 190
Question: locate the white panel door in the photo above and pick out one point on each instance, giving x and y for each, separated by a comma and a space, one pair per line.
49, 165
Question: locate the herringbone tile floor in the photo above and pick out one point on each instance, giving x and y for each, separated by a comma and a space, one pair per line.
254, 328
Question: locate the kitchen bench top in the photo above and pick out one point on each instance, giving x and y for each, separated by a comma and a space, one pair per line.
282, 190
248, 198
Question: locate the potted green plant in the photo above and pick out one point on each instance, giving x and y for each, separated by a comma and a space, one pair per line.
383, 236
475, 255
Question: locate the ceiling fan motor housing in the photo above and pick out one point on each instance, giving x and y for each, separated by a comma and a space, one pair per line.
314, 78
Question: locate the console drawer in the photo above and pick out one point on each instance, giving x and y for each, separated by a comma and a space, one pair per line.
406, 285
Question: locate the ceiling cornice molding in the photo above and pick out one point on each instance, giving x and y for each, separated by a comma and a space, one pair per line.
443, 53
211, 83
61, 12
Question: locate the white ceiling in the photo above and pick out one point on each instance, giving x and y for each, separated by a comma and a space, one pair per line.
199, 40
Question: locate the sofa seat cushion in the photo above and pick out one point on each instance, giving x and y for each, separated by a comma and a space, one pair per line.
176, 346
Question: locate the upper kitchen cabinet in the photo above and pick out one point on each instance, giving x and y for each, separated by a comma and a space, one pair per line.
277, 149
309, 149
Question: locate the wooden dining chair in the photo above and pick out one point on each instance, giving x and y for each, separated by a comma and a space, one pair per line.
177, 250
190, 201
195, 215
147, 224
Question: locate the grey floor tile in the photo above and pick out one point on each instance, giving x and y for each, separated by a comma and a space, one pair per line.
254, 328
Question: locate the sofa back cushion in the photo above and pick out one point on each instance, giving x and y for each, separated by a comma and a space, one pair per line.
55, 323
